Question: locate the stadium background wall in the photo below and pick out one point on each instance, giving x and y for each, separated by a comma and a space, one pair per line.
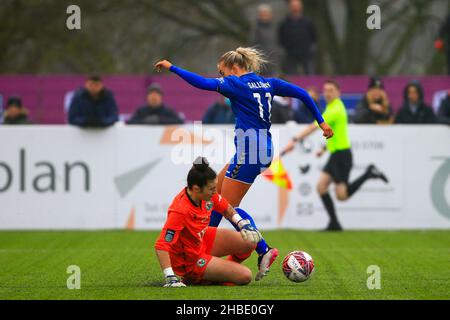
59, 177
45, 95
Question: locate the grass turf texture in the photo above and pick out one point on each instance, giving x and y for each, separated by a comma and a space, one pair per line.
122, 265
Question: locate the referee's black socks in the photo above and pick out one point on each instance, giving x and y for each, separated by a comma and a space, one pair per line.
372, 172
355, 185
328, 203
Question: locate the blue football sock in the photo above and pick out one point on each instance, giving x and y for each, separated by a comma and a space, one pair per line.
262, 246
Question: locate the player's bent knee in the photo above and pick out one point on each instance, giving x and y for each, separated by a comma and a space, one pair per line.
235, 202
341, 197
245, 276
341, 193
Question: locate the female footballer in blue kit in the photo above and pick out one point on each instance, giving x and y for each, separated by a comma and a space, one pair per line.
251, 96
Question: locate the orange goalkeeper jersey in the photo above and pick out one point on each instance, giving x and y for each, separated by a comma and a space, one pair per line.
186, 224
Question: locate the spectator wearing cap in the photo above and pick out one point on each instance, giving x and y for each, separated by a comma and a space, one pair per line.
93, 105
414, 109
374, 108
15, 113
155, 111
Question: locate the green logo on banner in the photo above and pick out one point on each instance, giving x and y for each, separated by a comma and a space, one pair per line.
440, 201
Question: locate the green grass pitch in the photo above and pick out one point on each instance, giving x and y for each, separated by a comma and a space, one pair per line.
122, 265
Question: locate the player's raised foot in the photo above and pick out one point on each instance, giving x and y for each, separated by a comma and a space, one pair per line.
333, 226
265, 261
376, 173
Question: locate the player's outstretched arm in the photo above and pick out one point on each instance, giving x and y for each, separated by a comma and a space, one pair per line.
298, 138
190, 77
286, 89
171, 279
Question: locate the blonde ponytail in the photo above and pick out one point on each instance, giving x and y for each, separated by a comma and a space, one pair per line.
249, 59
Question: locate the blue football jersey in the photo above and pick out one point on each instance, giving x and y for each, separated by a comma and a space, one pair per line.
251, 99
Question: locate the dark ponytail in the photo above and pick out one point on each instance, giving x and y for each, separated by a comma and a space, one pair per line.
200, 173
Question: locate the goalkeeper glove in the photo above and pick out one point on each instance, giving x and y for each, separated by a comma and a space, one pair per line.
248, 232
172, 280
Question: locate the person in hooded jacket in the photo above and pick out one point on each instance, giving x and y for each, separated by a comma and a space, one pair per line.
414, 109
374, 108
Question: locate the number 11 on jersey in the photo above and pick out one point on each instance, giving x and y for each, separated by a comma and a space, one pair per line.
257, 96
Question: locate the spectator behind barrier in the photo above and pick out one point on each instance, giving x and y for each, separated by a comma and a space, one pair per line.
155, 112
219, 113
264, 37
93, 105
414, 109
443, 115
374, 107
15, 113
301, 113
298, 37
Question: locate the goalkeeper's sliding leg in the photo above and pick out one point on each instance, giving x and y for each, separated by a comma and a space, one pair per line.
227, 243
233, 184
266, 254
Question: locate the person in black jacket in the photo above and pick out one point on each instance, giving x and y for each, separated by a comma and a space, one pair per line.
93, 105
298, 37
155, 112
414, 109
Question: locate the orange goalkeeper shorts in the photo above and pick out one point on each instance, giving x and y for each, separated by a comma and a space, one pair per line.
192, 272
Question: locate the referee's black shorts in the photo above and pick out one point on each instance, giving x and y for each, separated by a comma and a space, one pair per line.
339, 165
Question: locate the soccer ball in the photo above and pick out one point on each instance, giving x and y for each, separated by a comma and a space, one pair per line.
298, 266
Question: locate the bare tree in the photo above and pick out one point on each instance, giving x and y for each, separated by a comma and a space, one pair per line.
126, 37
360, 50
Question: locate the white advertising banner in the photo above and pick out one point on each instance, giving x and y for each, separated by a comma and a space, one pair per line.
56, 178
59, 177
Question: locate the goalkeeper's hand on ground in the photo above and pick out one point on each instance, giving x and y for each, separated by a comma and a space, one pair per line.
248, 232
173, 281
